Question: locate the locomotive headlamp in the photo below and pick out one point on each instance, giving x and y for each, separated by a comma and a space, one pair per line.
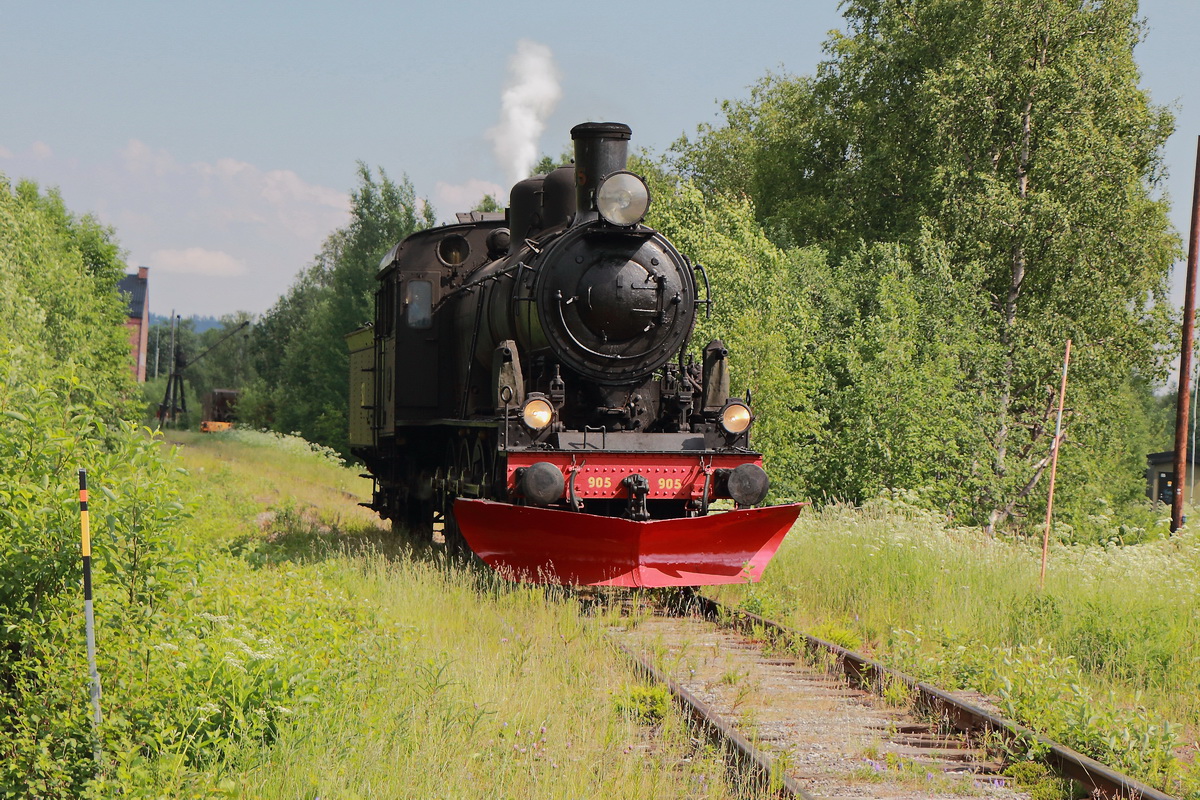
537, 413
623, 198
736, 417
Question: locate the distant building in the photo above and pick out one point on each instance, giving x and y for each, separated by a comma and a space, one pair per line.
136, 285
1160, 477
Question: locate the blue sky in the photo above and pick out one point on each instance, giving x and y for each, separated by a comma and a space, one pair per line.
220, 138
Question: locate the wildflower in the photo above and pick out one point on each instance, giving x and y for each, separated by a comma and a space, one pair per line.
875, 765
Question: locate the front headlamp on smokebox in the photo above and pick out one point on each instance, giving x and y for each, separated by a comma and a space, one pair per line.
623, 199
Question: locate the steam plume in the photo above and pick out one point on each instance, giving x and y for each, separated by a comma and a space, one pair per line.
529, 98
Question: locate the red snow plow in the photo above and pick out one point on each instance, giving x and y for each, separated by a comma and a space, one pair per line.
542, 545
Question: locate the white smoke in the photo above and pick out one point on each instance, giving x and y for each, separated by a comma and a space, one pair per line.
529, 98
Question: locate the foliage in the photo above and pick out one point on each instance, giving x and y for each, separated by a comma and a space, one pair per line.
891, 349
44, 437
281, 442
488, 203
1033, 685
756, 311
1012, 139
300, 357
647, 704
59, 303
219, 357
64, 375
546, 164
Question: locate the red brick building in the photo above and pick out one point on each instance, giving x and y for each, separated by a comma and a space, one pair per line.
136, 285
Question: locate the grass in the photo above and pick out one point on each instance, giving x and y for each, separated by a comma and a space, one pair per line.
311, 655
298, 650
1106, 657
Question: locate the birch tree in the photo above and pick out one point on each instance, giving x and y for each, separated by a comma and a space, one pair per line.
1016, 134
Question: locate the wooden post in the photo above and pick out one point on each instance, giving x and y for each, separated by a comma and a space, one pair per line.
1062, 397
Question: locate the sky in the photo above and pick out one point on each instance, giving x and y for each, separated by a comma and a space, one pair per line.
221, 139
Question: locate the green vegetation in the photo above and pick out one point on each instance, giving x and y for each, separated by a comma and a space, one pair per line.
298, 356
648, 704
899, 246
279, 644
1104, 659
983, 177
64, 388
60, 313
259, 634
211, 362
759, 313
306, 655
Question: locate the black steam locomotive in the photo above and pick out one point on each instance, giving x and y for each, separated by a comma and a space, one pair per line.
526, 386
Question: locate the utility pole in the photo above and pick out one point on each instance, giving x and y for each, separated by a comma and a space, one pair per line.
1185, 356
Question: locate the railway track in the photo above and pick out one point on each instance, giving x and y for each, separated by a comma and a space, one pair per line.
846, 727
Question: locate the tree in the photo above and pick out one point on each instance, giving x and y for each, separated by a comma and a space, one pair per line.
1015, 135
488, 203
300, 355
757, 312
220, 358
59, 302
546, 164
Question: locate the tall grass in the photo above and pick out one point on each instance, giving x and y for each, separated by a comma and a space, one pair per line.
310, 655
1106, 656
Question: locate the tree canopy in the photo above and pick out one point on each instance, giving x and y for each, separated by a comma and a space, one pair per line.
993, 167
300, 355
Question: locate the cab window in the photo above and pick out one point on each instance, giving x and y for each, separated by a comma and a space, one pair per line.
418, 304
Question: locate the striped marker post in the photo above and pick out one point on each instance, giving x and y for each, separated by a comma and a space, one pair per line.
89, 614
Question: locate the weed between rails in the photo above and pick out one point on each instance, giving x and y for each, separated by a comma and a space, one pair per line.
877, 767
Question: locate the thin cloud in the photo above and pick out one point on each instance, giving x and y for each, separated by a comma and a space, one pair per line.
197, 261
142, 160
197, 224
451, 198
38, 151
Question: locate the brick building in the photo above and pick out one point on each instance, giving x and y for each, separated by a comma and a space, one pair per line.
136, 285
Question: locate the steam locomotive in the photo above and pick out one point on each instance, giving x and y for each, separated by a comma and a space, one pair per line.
526, 387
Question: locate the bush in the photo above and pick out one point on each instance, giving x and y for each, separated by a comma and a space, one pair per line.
48, 430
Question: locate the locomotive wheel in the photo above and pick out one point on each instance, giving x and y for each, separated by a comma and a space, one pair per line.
477, 472
455, 543
457, 458
418, 520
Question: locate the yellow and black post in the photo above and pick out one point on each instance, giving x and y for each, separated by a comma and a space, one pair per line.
88, 612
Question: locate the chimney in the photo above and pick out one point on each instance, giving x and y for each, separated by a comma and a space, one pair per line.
600, 149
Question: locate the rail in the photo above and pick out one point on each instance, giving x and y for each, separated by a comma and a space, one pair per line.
870, 674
